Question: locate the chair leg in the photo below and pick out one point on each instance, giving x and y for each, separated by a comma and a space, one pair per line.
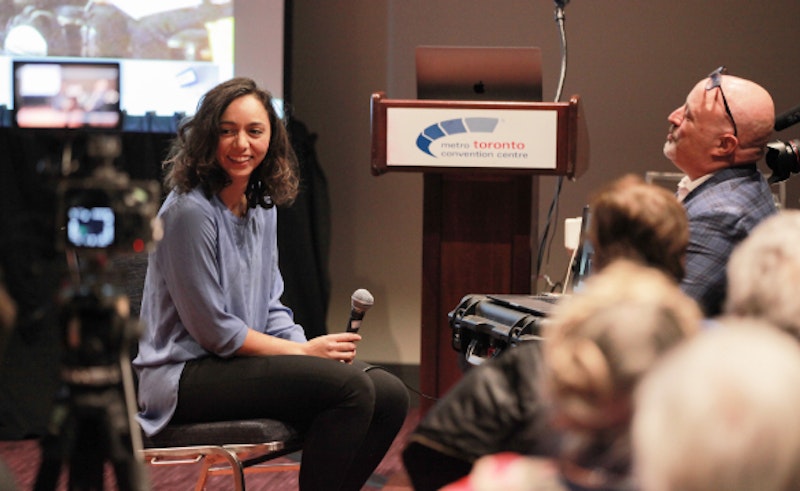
236, 469
201, 481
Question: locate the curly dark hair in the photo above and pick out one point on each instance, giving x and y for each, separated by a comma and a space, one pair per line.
191, 161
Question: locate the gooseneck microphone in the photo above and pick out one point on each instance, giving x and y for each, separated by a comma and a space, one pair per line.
787, 118
360, 302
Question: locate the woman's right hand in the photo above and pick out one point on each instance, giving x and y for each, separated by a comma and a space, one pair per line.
338, 346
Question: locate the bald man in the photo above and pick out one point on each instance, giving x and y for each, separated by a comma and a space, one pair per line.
716, 138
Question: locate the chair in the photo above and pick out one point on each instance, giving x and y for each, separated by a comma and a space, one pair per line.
223, 447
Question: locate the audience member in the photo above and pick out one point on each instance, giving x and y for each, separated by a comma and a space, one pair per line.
720, 413
597, 347
716, 138
764, 273
638, 221
497, 406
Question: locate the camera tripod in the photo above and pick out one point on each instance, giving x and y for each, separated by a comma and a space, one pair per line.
92, 422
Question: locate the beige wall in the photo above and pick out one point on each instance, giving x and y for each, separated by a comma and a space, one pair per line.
631, 61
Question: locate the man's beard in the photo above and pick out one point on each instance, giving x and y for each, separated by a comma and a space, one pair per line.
669, 150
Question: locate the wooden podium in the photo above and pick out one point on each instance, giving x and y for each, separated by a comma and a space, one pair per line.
480, 162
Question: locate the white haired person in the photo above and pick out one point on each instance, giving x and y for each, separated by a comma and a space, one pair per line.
720, 413
764, 273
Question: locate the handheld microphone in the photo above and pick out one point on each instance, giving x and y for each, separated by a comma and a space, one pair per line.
360, 302
788, 118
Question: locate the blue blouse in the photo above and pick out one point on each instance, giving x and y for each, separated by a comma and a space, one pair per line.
211, 277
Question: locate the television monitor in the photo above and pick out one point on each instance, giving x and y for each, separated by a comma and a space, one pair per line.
66, 94
479, 73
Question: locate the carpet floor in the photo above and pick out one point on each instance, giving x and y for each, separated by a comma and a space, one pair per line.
22, 459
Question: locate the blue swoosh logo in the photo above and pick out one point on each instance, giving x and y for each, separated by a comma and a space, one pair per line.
454, 127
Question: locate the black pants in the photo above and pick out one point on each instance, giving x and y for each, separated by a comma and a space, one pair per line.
350, 414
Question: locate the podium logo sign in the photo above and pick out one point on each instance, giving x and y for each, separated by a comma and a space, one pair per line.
476, 138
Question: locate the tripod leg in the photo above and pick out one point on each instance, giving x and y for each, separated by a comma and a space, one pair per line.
130, 471
87, 460
55, 445
104, 436
50, 466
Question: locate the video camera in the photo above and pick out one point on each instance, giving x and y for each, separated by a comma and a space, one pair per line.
783, 157
107, 211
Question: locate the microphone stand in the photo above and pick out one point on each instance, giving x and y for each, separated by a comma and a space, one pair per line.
559, 18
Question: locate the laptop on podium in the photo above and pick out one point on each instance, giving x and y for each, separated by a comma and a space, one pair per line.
479, 73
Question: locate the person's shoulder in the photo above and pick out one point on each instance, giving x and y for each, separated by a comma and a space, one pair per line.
731, 187
743, 182
190, 206
194, 198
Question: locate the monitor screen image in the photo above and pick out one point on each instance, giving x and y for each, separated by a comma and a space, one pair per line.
76, 95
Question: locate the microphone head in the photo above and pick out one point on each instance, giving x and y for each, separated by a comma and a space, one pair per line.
361, 300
